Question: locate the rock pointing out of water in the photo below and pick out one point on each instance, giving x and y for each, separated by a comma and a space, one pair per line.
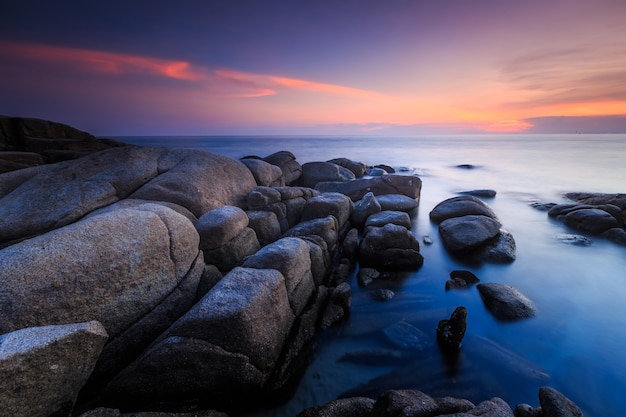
505, 302
450, 332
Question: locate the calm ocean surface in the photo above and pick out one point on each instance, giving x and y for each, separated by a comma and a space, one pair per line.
577, 342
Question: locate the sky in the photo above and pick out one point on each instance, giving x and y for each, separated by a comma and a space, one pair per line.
384, 67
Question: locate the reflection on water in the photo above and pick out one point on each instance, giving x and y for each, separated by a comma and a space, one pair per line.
574, 344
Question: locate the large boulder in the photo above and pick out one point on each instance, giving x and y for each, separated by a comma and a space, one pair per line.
505, 302
218, 226
315, 172
467, 233
226, 345
397, 202
390, 247
44, 368
591, 220
62, 193
291, 257
407, 185
555, 404
460, 206
134, 269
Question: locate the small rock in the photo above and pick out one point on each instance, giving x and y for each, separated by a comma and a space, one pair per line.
427, 240
465, 275
456, 284
367, 275
382, 294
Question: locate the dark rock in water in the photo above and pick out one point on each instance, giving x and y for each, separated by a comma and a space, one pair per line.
542, 206
500, 250
595, 199
464, 234
555, 404
386, 168
485, 193
382, 294
466, 166
616, 235
367, 275
460, 206
505, 302
405, 335
450, 332
376, 172
465, 275
572, 239
461, 279
559, 211
456, 284
591, 220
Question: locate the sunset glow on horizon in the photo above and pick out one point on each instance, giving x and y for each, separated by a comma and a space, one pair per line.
328, 67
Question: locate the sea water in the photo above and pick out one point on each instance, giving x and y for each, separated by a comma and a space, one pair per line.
576, 343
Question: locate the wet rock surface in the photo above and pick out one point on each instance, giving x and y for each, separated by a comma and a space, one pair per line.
505, 302
210, 277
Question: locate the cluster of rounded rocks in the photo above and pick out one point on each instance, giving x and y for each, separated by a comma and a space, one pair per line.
178, 280
594, 213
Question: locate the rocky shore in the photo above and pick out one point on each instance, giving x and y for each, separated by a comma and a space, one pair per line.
154, 282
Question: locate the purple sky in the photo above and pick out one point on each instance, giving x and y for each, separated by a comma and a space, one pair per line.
316, 67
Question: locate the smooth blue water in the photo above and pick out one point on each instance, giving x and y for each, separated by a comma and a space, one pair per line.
579, 334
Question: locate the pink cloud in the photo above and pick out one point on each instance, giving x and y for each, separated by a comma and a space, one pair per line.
222, 82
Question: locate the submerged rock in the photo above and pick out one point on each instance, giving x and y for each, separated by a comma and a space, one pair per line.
485, 193
406, 336
572, 239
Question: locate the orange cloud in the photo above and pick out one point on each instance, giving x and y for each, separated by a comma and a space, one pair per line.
99, 61
220, 82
